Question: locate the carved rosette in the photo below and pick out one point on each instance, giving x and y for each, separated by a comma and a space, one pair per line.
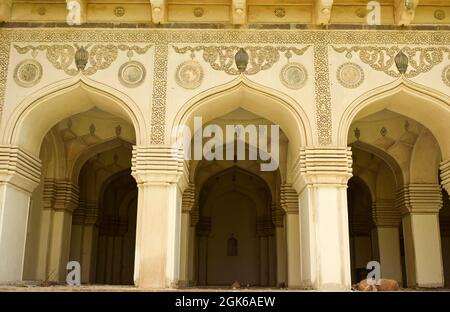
132, 74
293, 75
350, 75
189, 74
28, 73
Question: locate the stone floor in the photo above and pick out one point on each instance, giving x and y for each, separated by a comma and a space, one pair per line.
36, 287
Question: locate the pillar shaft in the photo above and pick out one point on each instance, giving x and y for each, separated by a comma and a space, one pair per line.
158, 173
60, 199
289, 203
19, 176
280, 236
322, 175
387, 219
420, 204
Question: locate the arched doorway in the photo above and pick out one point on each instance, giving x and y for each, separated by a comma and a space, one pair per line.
361, 226
117, 230
242, 102
80, 144
235, 232
404, 150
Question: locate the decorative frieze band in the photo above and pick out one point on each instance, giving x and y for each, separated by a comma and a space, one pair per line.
60, 195
385, 213
19, 168
222, 58
419, 198
382, 58
73, 58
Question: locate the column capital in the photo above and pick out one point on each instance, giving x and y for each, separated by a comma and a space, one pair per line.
60, 195
195, 216
19, 168
204, 226
322, 166
445, 175
288, 199
419, 198
86, 213
188, 199
385, 213
160, 165
277, 215
264, 226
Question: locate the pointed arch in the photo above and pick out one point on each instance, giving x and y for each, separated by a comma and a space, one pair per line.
431, 109
257, 99
36, 114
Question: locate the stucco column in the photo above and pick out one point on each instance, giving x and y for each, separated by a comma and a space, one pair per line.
194, 216
289, 203
60, 198
387, 219
420, 205
280, 235
185, 238
89, 243
203, 231
321, 180
158, 171
264, 229
19, 176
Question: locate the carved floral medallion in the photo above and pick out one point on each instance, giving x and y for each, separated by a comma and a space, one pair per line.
293, 75
350, 75
189, 74
28, 73
132, 74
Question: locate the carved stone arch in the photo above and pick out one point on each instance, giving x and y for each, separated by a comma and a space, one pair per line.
73, 170
242, 189
425, 159
263, 101
431, 109
401, 176
26, 126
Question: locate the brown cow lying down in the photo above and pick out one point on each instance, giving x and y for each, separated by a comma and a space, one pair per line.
385, 285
